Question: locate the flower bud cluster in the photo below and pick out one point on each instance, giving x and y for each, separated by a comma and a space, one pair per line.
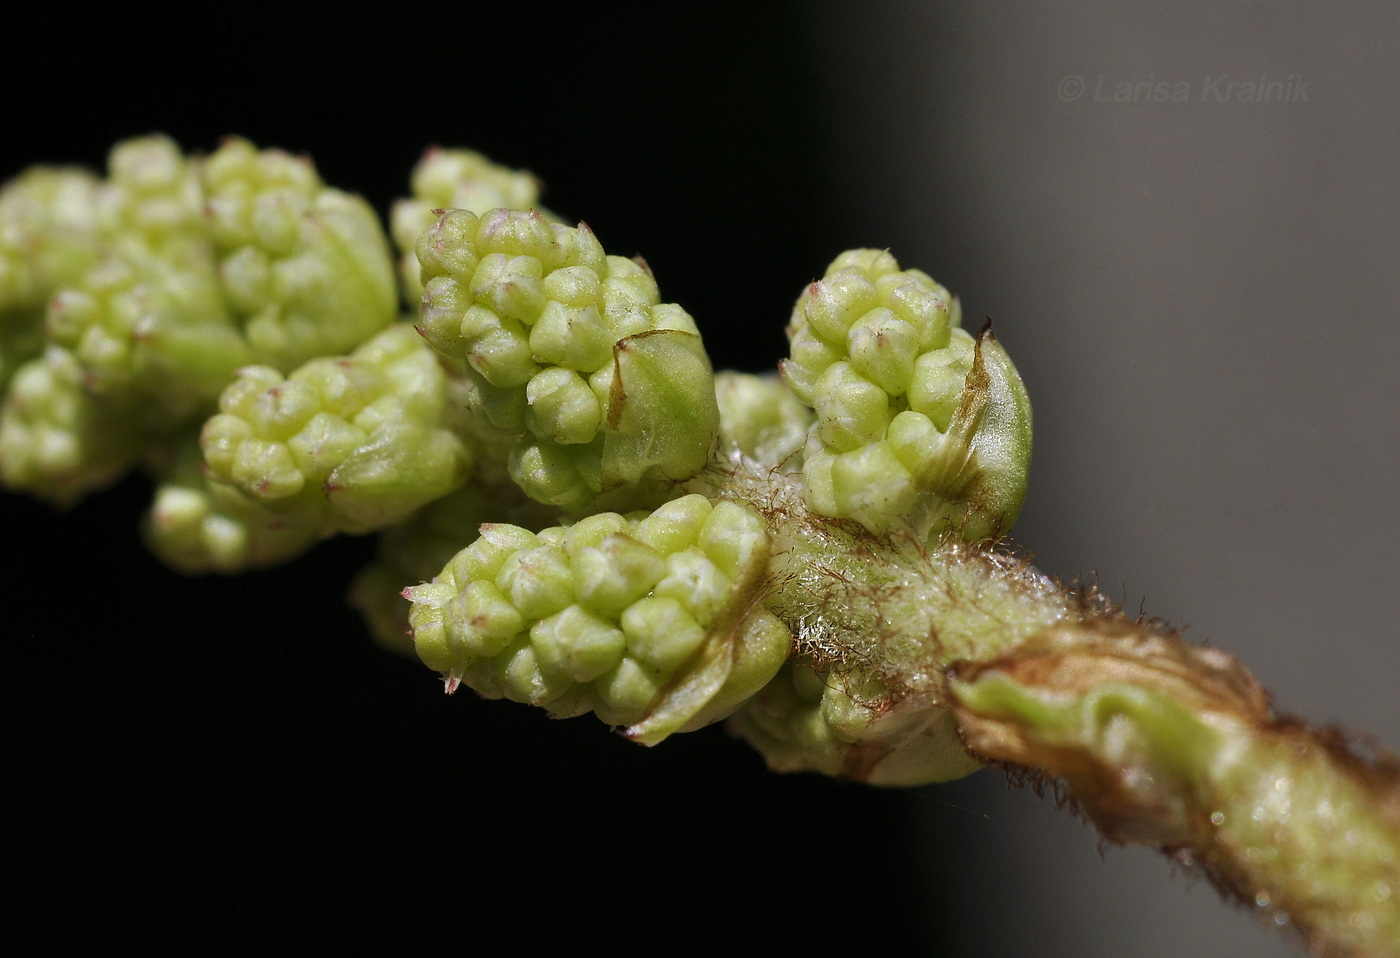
161, 280
453, 180
361, 438
917, 421
569, 351
306, 268
132, 308
651, 621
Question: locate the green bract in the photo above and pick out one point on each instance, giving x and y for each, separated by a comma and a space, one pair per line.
651, 621
917, 421
607, 393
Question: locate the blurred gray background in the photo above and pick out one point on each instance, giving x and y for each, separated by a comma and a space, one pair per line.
1204, 300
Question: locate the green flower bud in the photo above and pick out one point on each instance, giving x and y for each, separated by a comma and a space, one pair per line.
671, 528
852, 412
551, 473
661, 633
607, 393
938, 380
362, 441
883, 348
538, 580
563, 407
835, 303
590, 531
871, 482
578, 644
481, 620
575, 337
651, 621
811, 356
615, 573
918, 423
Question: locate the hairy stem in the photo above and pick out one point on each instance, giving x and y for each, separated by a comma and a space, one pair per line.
1168, 745
1158, 742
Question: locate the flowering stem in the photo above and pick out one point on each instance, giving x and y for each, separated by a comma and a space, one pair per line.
816, 559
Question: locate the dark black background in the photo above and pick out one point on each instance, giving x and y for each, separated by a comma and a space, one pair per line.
202, 762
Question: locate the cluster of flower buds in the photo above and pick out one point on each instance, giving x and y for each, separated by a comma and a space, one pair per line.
607, 392
416, 549
805, 557
761, 420
542, 384
306, 267
918, 423
348, 444
56, 440
136, 297
652, 621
